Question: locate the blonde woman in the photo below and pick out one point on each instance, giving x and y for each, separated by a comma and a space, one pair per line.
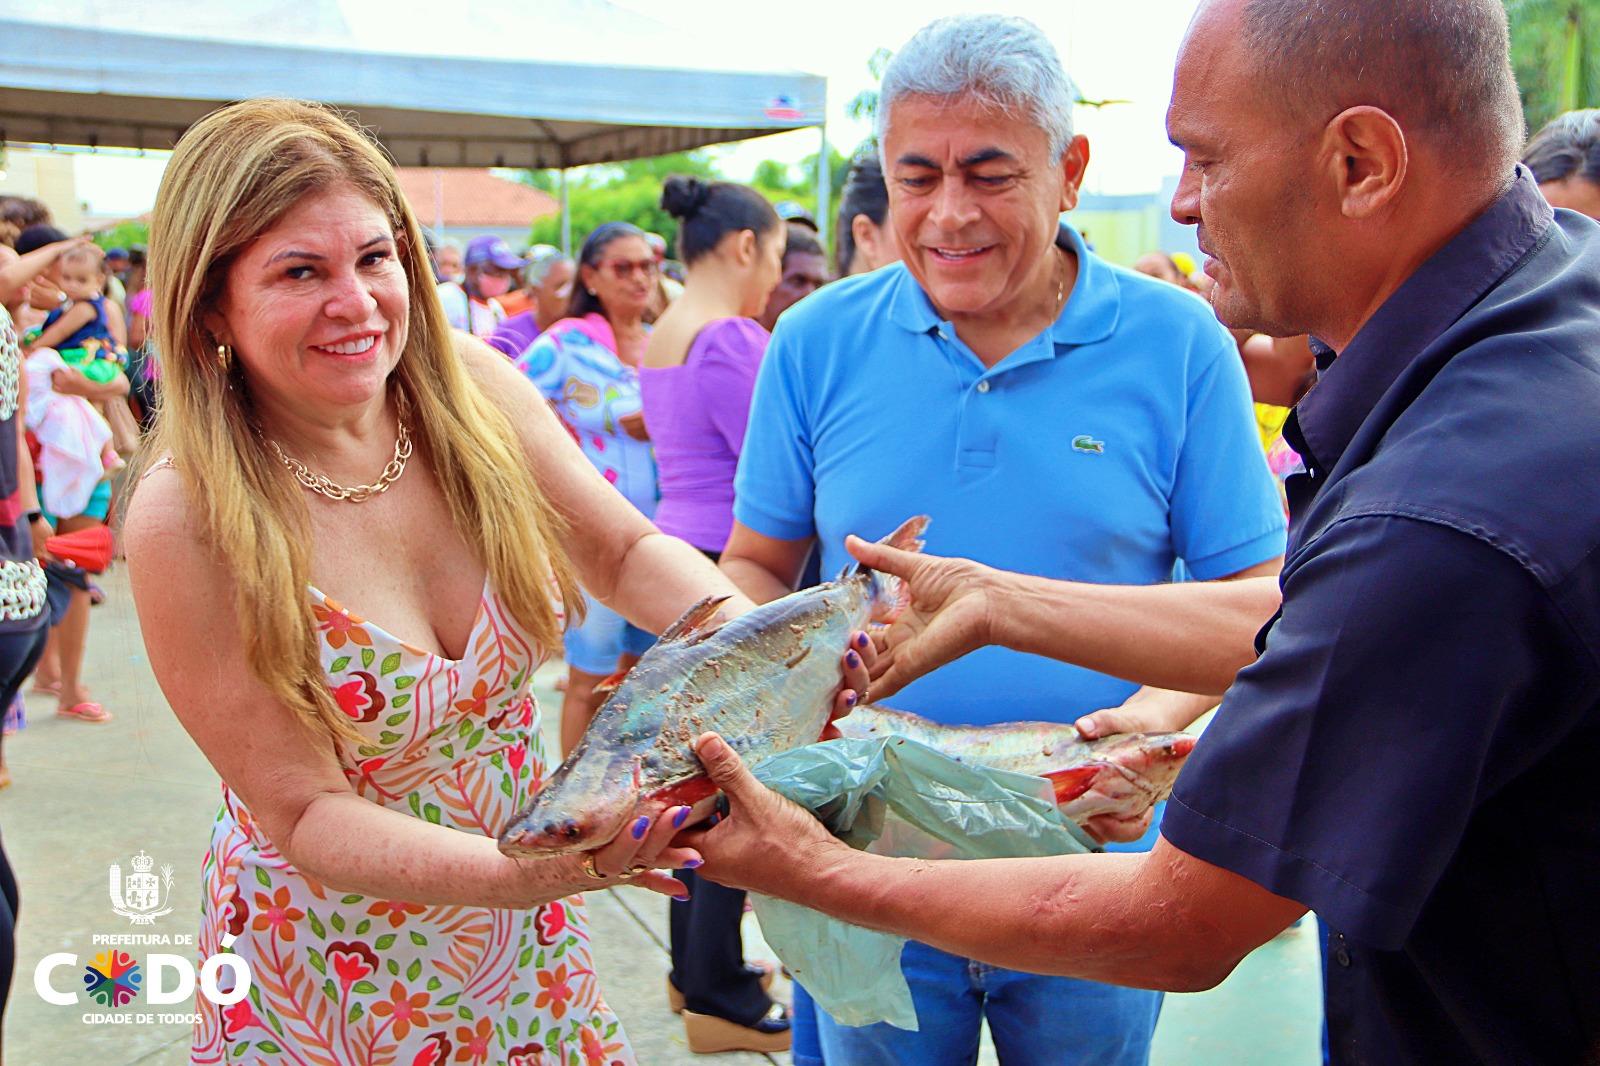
348, 559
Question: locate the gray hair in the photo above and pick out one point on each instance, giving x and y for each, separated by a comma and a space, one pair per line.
1567, 147
543, 258
1442, 68
1003, 63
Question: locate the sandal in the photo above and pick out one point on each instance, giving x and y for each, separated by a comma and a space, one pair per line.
708, 1035
675, 1001
85, 712
45, 690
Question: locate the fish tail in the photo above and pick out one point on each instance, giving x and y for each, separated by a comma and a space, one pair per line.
890, 597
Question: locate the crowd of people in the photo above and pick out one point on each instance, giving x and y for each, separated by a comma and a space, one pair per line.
1129, 473
79, 317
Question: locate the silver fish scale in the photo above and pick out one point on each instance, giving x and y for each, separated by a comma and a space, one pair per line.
764, 681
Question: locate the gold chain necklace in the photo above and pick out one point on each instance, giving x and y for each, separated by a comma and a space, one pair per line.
325, 486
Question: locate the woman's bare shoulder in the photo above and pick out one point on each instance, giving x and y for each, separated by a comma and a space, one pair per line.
160, 518
490, 369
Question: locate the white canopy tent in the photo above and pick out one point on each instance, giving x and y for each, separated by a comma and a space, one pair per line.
478, 83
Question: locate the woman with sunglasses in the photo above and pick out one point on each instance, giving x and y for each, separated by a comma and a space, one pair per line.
586, 365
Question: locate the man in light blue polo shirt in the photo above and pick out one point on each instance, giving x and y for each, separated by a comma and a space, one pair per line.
1054, 415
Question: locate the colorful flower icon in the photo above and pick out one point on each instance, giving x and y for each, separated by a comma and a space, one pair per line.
406, 1009
340, 625
474, 1042
551, 922
553, 991
351, 961
113, 978
274, 912
239, 1017
395, 910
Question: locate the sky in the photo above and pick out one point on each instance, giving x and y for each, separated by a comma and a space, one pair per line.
1114, 51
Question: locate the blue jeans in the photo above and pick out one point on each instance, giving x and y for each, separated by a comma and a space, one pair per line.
806, 1050
1034, 1020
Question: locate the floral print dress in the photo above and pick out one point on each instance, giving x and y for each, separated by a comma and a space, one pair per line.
339, 979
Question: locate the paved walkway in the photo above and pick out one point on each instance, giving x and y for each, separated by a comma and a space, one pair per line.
88, 796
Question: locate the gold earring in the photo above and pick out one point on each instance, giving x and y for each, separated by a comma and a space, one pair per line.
224, 356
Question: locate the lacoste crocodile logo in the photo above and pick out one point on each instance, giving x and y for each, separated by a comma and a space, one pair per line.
1086, 444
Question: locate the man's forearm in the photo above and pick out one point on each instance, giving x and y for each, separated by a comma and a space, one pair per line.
1193, 636
1084, 916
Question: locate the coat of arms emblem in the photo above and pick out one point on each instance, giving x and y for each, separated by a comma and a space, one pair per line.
139, 896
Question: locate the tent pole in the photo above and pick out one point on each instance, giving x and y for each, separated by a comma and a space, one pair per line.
824, 180
566, 216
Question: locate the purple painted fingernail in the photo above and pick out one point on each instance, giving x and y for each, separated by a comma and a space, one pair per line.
681, 817
641, 827
853, 659
681, 899
861, 641
694, 864
851, 699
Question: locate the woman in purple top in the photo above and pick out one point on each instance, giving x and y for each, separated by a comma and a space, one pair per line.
696, 378
695, 411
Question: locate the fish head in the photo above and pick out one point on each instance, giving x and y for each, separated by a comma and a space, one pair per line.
1156, 757
1123, 775
583, 806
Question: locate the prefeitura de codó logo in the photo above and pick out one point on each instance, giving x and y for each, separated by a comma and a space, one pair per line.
115, 978
138, 897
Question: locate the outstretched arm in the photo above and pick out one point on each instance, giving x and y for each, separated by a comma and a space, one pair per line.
1191, 637
24, 268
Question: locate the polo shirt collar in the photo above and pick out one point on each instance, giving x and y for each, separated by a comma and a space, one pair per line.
1090, 314
1427, 304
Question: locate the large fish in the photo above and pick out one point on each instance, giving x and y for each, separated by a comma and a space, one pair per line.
765, 681
1121, 775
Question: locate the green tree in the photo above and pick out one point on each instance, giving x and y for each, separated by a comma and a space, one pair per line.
609, 192
637, 201
1555, 48
773, 176
863, 106
124, 235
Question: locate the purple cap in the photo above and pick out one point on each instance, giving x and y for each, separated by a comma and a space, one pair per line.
492, 250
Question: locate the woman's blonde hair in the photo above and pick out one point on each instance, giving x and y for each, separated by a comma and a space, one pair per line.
234, 174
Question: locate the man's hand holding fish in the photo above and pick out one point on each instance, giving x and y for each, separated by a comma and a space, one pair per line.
1189, 637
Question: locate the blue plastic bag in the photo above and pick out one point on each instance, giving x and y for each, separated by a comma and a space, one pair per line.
895, 796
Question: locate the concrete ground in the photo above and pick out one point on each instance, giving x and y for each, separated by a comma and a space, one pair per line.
87, 796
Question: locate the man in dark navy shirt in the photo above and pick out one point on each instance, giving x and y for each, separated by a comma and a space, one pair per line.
1411, 754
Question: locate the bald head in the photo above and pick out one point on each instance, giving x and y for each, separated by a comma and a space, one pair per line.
1440, 68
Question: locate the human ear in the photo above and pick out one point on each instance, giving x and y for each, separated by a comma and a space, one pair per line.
1366, 157
866, 236
217, 326
745, 247
1074, 164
